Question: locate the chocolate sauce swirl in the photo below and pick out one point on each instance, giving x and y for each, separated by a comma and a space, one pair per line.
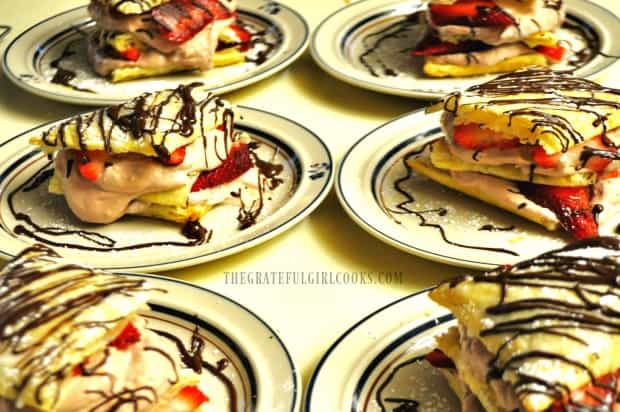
586, 284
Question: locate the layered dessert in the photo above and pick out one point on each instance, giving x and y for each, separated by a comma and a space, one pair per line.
142, 38
537, 336
474, 37
172, 155
71, 339
538, 143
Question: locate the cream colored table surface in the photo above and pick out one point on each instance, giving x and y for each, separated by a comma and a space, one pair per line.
308, 318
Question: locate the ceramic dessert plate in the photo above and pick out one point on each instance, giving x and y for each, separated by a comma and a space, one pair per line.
258, 373
376, 365
368, 44
296, 176
419, 216
31, 59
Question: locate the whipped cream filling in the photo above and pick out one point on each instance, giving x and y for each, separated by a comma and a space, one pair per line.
488, 57
531, 17
151, 364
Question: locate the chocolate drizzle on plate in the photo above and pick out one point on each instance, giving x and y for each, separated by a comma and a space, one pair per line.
580, 289
397, 404
404, 207
493, 228
192, 358
64, 76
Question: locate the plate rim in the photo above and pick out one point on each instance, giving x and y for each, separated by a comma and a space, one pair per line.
297, 381
262, 237
397, 91
77, 99
308, 393
376, 232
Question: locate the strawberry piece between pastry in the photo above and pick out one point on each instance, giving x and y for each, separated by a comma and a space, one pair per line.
131, 54
129, 336
555, 53
176, 158
439, 360
473, 137
237, 163
592, 396
189, 399
91, 163
470, 12
181, 20
571, 205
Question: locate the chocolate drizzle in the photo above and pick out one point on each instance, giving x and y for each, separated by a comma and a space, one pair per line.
62, 75
36, 292
403, 404
192, 359
586, 283
550, 89
403, 208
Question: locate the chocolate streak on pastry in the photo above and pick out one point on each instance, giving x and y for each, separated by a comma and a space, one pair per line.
403, 207
504, 88
23, 311
588, 278
192, 359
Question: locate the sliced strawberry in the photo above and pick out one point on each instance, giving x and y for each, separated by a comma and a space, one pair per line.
544, 160
180, 20
243, 35
555, 53
474, 137
189, 399
176, 158
439, 360
570, 204
598, 163
237, 163
593, 396
129, 336
78, 370
471, 13
91, 163
132, 54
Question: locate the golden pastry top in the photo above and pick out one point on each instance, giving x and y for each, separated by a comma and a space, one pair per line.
552, 322
53, 315
539, 106
153, 124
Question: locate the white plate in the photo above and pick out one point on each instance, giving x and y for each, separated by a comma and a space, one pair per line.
260, 369
27, 58
307, 177
375, 366
338, 43
456, 231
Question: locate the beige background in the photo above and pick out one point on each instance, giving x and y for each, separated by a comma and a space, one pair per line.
308, 318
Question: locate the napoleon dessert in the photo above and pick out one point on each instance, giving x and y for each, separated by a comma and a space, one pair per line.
473, 37
142, 38
538, 143
71, 339
541, 335
171, 155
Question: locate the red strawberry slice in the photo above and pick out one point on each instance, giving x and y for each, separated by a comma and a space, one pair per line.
189, 399
591, 396
544, 160
598, 163
439, 360
129, 336
555, 53
132, 54
176, 158
180, 20
570, 204
91, 163
243, 35
471, 13
237, 163
474, 137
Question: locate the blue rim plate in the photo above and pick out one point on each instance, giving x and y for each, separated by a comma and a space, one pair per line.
375, 366
446, 226
27, 58
307, 175
260, 367
338, 42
